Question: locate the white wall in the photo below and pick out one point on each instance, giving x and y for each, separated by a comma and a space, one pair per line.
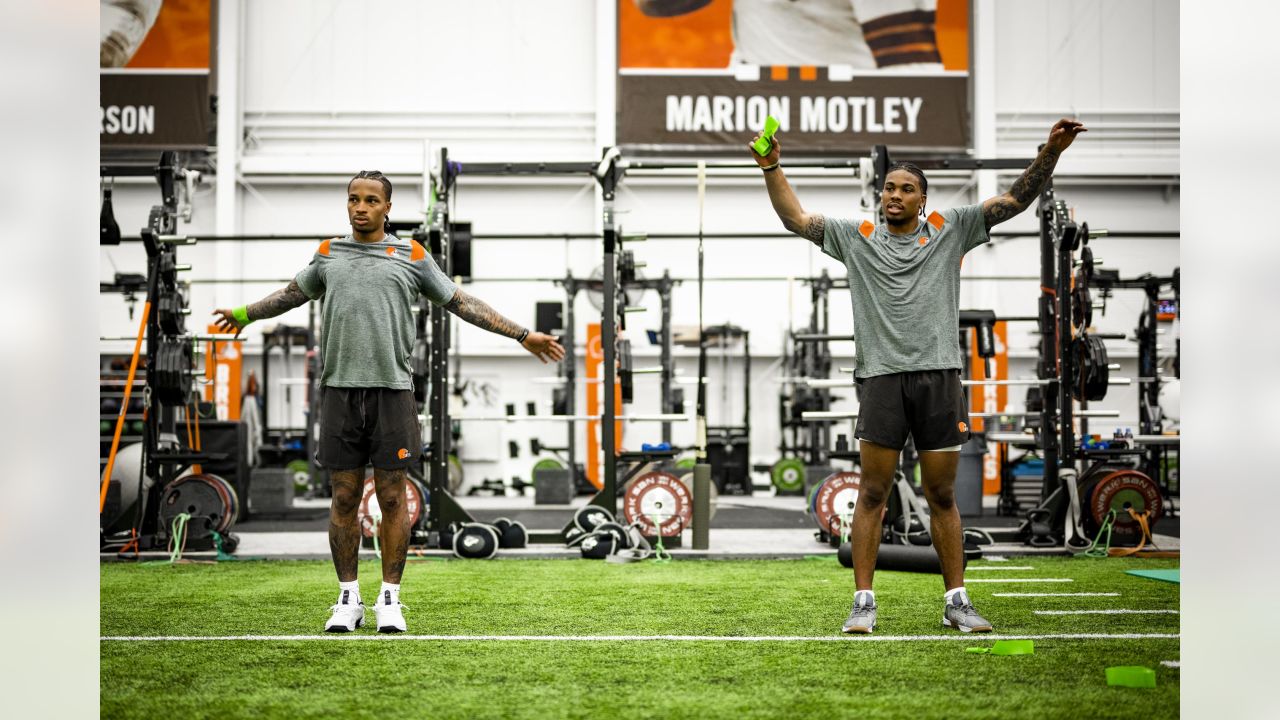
329, 87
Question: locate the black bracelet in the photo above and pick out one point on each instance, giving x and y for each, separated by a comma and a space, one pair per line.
523, 335
770, 168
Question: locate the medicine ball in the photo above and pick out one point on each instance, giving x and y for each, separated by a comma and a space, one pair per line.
598, 546
474, 541
512, 534
588, 517
621, 538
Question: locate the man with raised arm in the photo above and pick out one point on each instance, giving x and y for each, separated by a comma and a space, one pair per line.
370, 280
904, 279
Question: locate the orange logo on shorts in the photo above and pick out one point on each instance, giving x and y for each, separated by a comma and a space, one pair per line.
405, 453
964, 427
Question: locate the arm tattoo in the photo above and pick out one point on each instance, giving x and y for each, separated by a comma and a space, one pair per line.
998, 209
1024, 189
1031, 182
478, 313
814, 230
278, 302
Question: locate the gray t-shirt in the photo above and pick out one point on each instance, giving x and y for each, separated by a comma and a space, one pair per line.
906, 288
369, 290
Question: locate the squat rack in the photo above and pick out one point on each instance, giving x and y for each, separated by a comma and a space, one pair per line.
444, 509
608, 172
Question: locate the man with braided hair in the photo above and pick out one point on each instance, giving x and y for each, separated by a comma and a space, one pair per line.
370, 280
904, 279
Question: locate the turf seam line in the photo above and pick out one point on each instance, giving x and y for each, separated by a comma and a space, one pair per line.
968, 637
1013, 580
1080, 594
1106, 612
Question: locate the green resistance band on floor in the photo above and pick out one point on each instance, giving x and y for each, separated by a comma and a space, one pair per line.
223, 554
178, 537
1094, 551
660, 554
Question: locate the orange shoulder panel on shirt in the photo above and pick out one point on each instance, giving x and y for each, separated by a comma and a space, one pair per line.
866, 228
324, 247
935, 219
418, 252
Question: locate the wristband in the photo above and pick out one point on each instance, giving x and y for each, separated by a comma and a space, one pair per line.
241, 314
769, 168
523, 335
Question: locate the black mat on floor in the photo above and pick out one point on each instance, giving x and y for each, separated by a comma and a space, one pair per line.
296, 520
729, 518
312, 520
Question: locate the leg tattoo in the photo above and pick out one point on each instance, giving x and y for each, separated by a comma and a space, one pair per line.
344, 526
393, 533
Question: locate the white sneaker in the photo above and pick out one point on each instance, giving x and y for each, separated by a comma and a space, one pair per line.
347, 616
388, 611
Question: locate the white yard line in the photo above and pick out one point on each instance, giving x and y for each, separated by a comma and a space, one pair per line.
997, 567
1055, 594
1009, 580
967, 637
1106, 612
1171, 663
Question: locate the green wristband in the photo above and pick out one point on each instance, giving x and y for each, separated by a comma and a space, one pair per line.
241, 314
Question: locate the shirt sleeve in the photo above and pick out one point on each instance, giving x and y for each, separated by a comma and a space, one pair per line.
432, 281
311, 279
836, 237
970, 226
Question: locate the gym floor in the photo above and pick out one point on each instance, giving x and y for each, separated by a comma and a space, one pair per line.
685, 638
759, 527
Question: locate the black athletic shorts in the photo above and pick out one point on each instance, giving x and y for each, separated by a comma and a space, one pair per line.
928, 405
368, 426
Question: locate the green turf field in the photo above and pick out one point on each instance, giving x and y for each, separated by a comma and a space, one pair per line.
825, 676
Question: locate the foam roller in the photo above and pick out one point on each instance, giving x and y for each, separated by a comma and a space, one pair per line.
903, 558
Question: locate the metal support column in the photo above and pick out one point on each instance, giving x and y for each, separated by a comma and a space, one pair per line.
442, 508
668, 367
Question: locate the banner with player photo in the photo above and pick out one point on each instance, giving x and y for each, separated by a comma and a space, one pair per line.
154, 63
840, 76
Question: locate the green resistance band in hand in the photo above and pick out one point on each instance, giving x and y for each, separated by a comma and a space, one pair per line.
765, 143
241, 314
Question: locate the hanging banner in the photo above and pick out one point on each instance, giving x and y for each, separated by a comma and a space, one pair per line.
222, 369
989, 398
839, 75
154, 61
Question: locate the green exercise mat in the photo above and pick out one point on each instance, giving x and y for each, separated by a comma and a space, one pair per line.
1134, 676
1165, 575
1006, 647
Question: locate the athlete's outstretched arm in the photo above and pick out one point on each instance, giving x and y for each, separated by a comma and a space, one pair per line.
785, 202
1028, 186
277, 303
477, 312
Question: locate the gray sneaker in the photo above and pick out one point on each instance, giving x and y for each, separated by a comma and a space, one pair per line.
959, 613
862, 618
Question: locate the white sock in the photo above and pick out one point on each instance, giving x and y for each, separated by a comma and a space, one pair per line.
953, 591
870, 595
353, 588
395, 591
